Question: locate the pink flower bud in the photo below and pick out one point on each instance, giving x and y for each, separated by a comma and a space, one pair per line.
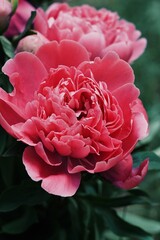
31, 43
19, 18
5, 13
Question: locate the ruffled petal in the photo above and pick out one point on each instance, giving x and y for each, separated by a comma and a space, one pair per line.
67, 52
9, 115
36, 168
139, 131
25, 72
123, 49
56, 181
62, 184
138, 48
111, 69
125, 101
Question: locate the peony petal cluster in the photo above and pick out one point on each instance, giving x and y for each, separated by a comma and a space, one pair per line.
99, 31
74, 115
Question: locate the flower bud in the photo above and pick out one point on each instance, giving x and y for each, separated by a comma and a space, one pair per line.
5, 14
19, 18
31, 43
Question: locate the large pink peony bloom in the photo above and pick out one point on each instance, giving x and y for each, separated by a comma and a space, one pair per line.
98, 30
75, 115
19, 19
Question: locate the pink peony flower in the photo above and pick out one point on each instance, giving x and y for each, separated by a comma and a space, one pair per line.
75, 115
5, 13
98, 30
19, 19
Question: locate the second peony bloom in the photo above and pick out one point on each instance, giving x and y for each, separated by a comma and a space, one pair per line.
74, 115
99, 31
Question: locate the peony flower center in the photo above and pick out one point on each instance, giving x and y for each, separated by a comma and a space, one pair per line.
72, 107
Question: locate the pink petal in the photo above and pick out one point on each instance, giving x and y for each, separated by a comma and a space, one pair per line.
67, 53
93, 164
36, 168
121, 171
51, 158
78, 148
135, 178
9, 114
26, 132
98, 43
123, 49
111, 69
123, 176
54, 180
55, 8
138, 107
125, 100
25, 73
139, 131
126, 94
138, 48
62, 184
40, 22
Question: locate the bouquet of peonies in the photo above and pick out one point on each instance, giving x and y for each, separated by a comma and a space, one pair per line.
71, 118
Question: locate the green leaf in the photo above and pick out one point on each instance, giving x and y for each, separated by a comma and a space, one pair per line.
7, 46
122, 228
86, 213
21, 224
24, 194
109, 235
5, 83
147, 224
14, 5
3, 139
7, 168
74, 218
154, 160
139, 193
15, 149
98, 201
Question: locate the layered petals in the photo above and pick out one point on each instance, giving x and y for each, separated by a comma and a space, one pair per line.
99, 31
115, 70
73, 116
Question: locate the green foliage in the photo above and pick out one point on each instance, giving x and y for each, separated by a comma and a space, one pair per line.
19, 225
24, 194
154, 160
7, 46
123, 228
14, 5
